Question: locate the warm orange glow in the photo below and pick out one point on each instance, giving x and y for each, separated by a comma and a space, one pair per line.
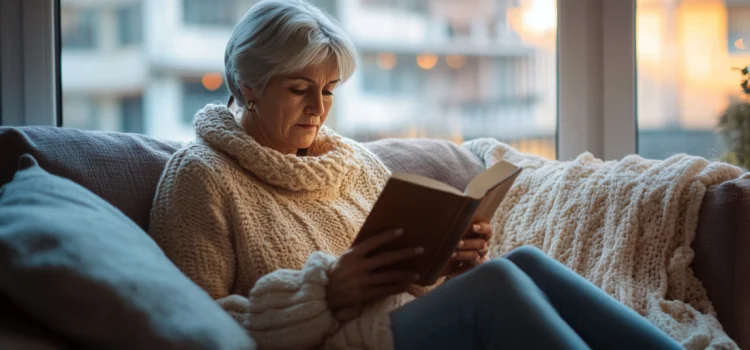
212, 81
412, 132
650, 36
739, 44
386, 60
535, 21
540, 147
702, 27
455, 61
683, 49
426, 61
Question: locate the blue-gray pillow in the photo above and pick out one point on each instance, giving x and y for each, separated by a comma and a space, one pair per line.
79, 266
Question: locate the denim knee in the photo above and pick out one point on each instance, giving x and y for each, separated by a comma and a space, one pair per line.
527, 256
499, 282
491, 274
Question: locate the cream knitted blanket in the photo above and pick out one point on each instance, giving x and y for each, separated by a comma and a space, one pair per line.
626, 226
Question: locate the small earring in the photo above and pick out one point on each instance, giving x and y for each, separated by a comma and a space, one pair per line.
250, 106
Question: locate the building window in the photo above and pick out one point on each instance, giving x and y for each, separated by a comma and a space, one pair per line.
215, 13
131, 112
195, 96
78, 28
130, 24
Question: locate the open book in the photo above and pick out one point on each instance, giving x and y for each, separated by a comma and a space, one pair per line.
435, 215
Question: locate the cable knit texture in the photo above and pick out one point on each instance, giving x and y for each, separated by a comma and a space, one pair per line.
627, 226
259, 230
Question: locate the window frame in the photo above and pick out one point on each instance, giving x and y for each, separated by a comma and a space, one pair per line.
597, 107
30, 87
596, 82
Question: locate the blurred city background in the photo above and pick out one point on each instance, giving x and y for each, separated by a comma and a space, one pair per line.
447, 69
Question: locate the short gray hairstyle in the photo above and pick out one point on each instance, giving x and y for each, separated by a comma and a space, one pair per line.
277, 37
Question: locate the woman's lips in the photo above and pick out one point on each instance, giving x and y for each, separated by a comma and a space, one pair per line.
307, 126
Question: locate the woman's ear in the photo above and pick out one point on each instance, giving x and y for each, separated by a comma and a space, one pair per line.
248, 93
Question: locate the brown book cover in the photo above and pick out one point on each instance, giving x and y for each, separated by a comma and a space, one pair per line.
435, 215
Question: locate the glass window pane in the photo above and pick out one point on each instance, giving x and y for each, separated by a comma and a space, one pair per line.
195, 95
130, 25
79, 27
686, 52
428, 68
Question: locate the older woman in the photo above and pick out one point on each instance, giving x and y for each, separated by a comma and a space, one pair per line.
262, 208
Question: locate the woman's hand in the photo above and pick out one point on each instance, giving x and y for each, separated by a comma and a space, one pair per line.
471, 250
356, 278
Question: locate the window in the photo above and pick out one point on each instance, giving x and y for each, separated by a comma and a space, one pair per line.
685, 54
78, 27
223, 13
454, 70
428, 68
81, 111
130, 24
196, 94
131, 112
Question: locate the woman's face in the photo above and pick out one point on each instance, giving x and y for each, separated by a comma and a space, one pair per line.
292, 109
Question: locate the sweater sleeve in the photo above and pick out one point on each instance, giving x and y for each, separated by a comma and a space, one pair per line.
287, 309
189, 222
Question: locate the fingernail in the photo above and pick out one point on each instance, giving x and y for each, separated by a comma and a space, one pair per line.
460, 244
416, 277
477, 227
398, 232
419, 250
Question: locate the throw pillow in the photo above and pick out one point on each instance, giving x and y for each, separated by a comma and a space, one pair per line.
121, 168
79, 266
441, 160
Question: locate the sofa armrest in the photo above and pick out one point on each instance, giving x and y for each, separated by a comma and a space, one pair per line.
722, 255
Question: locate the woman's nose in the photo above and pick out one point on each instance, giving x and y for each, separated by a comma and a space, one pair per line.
315, 106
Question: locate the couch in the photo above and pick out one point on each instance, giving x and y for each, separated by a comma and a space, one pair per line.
123, 169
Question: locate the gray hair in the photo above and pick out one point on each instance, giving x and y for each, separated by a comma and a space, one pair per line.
277, 37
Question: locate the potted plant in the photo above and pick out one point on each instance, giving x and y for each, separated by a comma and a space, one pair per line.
734, 126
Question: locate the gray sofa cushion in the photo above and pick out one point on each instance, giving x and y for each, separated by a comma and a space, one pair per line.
79, 266
121, 168
722, 255
124, 169
441, 160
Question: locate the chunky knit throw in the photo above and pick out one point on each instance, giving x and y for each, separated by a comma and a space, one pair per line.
627, 226
259, 230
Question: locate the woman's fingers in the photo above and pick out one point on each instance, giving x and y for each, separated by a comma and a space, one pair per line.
483, 252
391, 257
466, 255
482, 228
472, 244
371, 243
392, 277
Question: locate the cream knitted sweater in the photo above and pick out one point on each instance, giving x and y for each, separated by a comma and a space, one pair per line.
626, 226
258, 230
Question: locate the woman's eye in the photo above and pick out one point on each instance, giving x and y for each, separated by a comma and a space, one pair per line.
298, 92
328, 93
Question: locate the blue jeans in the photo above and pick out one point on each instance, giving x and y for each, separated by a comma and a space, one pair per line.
524, 300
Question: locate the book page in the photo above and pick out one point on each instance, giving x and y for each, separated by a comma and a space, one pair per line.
489, 178
426, 182
493, 198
